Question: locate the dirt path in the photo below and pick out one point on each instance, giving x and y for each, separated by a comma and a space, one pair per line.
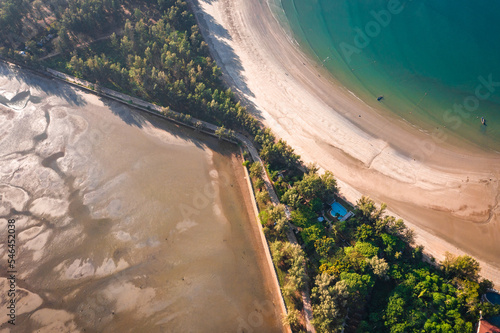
290, 235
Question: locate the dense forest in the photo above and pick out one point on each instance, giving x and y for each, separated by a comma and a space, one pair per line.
151, 49
365, 273
154, 51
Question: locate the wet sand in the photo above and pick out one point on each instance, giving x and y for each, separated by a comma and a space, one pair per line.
124, 222
445, 189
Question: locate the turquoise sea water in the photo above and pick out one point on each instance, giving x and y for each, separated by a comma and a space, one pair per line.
430, 59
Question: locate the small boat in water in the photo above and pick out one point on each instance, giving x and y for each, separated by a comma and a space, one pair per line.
380, 98
483, 121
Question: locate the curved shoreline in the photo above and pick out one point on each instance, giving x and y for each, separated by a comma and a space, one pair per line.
448, 194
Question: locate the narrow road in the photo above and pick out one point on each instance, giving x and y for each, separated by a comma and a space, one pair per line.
306, 298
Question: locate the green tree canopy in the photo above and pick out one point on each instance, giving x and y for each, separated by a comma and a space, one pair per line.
462, 267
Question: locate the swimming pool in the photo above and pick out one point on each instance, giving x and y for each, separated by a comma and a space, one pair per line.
495, 299
338, 209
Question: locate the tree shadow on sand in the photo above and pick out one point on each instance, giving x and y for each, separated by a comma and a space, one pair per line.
133, 117
37, 81
126, 113
233, 69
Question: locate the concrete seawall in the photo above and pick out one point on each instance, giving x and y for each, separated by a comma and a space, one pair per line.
265, 245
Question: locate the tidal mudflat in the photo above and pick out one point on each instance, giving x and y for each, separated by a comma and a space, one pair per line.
123, 222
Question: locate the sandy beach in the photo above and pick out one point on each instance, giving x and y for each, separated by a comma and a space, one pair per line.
448, 193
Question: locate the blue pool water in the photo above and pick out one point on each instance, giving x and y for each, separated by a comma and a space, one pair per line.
338, 209
495, 299
495, 321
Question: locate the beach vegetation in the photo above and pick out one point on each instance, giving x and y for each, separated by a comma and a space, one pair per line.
259, 183
256, 170
262, 198
292, 318
365, 273
460, 267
